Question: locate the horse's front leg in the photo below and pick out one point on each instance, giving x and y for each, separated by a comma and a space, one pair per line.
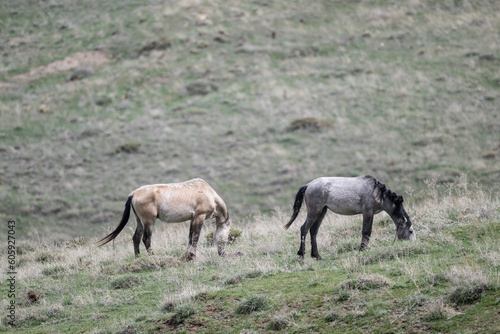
367, 230
148, 232
194, 235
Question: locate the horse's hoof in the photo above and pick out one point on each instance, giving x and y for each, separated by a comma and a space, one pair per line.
317, 257
190, 257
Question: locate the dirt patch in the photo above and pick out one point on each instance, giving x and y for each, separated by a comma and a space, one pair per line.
89, 59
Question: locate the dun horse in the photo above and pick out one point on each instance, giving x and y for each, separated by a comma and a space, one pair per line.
192, 200
349, 196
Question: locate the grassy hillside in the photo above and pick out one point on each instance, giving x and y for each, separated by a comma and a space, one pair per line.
257, 97
446, 281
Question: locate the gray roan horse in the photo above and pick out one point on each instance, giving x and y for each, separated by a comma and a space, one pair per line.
192, 200
349, 196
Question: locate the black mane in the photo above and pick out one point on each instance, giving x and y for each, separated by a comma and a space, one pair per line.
385, 193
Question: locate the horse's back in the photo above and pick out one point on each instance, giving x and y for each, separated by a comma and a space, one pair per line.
342, 195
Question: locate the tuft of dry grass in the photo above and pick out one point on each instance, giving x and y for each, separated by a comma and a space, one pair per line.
280, 322
367, 282
469, 284
439, 310
252, 303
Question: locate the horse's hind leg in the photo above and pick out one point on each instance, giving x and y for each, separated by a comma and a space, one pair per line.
303, 233
313, 215
138, 235
314, 231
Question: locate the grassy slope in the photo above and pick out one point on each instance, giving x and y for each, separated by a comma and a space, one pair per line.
392, 287
411, 87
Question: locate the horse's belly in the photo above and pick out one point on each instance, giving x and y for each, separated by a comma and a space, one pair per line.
344, 210
175, 217
347, 204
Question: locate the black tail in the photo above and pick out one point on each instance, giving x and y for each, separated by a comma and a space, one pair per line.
296, 206
119, 228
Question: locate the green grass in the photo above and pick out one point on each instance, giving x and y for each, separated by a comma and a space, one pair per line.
445, 281
408, 91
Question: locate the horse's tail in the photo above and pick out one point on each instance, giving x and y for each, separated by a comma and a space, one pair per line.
119, 228
296, 206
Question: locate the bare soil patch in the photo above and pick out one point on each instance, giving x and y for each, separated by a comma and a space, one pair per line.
90, 59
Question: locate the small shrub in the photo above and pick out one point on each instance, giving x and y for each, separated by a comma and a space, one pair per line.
438, 279
159, 44
332, 316
418, 299
201, 88
80, 74
435, 314
103, 100
469, 283
252, 304
169, 306
309, 123
182, 312
210, 238
467, 294
125, 282
233, 280
234, 234
344, 295
253, 274
439, 311
279, 322
131, 147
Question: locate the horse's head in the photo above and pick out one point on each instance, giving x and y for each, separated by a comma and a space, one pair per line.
221, 234
404, 228
394, 207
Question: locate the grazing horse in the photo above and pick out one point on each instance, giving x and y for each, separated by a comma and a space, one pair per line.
348, 196
192, 200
